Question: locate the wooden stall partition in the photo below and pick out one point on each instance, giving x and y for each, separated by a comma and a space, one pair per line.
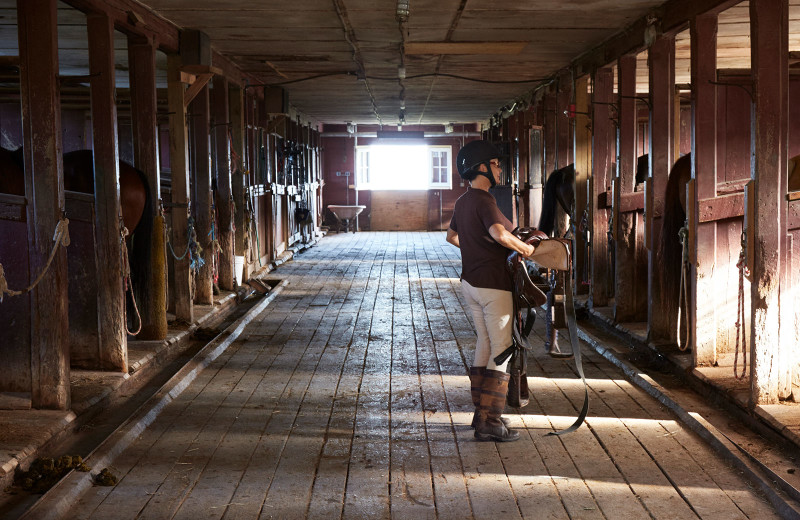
661, 57
772, 313
142, 60
602, 157
44, 188
220, 128
628, 291
179, 167
583, 167
201, 195
703, 237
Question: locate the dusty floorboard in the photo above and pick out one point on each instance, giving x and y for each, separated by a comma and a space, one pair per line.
347, 398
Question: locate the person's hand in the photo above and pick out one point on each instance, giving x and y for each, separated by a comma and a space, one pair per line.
530, 250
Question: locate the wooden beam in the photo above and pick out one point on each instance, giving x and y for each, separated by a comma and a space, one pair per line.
703, 237
220, 125
720, 208
132, 18
179, 164
196, 87
113, 348
793, 215
602, 157
44, 188
663, 128
201, 195
772, 310
142, 61
671, 17
627, 289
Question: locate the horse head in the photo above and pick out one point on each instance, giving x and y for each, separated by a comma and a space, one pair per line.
558, 190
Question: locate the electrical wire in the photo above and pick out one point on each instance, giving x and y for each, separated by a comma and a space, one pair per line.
379, 78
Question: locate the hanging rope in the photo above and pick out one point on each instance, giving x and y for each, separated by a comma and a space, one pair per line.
195, 251
683, 291
60, 237
740, 316
189, 232
126, 275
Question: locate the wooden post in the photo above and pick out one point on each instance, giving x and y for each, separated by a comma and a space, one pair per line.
201, 195
238, 178
661, 57
44, 190
113, 351
771, 292
142, 60
583, 166
703, 237
563, 123
179, 161
549, 129
222, 163
625, 223
603, 142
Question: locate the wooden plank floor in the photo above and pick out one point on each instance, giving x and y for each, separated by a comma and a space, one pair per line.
348, 398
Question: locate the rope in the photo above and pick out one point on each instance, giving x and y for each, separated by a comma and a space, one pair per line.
683, 291
740, 316
60, 236
126, 275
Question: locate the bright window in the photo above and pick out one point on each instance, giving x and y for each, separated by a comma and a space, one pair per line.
403, 167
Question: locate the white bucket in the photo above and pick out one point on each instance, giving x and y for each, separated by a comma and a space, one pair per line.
238, 267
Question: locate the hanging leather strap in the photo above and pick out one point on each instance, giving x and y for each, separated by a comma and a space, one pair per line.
576, 349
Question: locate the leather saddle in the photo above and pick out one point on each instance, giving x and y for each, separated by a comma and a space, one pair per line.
526, 293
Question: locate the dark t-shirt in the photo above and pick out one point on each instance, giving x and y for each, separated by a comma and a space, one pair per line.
482, 259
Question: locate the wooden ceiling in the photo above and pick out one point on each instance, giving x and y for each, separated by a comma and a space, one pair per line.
340, 60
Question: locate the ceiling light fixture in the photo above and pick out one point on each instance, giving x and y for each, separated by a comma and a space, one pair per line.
401, 14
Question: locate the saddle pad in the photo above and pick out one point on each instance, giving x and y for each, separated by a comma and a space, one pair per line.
552, 254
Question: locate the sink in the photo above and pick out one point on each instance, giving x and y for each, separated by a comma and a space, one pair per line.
344, 214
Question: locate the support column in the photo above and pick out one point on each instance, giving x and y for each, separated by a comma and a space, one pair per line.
142, 61
625, 223
201, 195
222, 163
703, 237
238, 178
563, 126
549, 131
583, 166
603, 144
179, 161
661, 57
771, 291
44, 191
113, 348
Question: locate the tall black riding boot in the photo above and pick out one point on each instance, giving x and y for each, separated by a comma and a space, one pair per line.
490, 425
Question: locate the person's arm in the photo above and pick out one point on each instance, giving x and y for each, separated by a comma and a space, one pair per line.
506, 239
452, 237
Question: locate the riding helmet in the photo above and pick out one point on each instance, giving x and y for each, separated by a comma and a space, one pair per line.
472, 155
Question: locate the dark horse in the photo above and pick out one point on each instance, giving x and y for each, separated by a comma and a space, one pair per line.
670, 250
558, 190
135, 202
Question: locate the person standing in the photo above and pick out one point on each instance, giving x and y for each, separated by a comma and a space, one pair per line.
483, 234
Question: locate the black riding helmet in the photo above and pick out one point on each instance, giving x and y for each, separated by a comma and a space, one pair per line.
472, 155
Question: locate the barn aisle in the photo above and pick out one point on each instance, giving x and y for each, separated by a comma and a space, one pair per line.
348, 398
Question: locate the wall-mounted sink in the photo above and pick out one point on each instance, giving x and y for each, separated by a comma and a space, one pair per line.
346, 213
